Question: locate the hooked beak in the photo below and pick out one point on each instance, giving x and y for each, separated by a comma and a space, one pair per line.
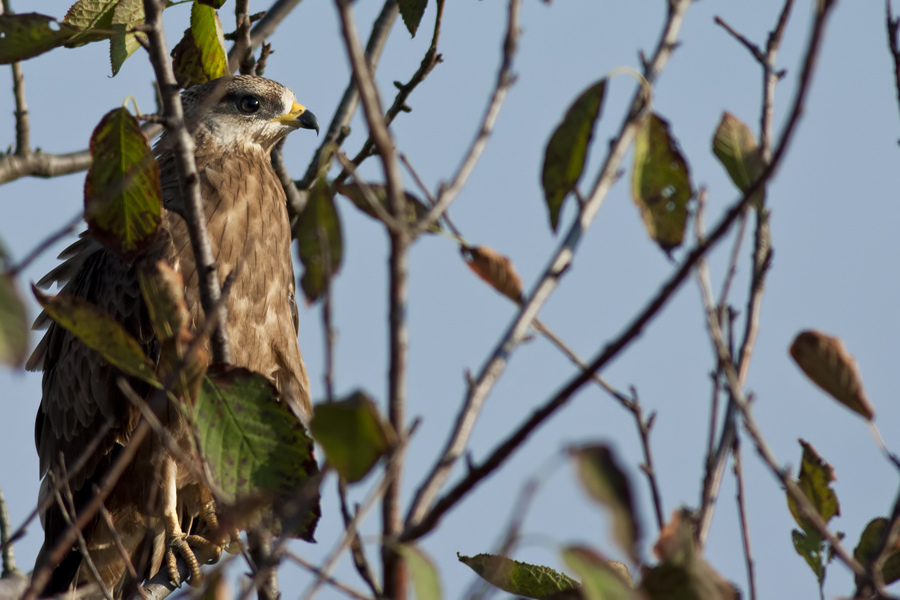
299, 117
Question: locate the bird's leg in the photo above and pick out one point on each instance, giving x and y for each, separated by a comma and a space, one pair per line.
176, 540
209, 540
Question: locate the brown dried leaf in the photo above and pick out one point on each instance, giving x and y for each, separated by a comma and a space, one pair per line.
827, 362
495, 269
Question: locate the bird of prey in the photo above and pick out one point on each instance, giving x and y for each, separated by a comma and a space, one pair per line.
235, 122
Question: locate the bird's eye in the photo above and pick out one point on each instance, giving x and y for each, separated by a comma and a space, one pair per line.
249, 104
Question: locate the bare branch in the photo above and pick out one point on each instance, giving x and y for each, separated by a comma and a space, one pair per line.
242, 52
8, 556
644, 426
742, 513
340, 123
753, 48
346, 589
263, 28
189, 181
357, 550
494, 367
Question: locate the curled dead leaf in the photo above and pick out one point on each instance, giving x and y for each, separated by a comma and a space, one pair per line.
827, 362
495, 269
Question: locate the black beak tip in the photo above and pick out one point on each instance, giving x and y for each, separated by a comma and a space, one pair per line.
307, 120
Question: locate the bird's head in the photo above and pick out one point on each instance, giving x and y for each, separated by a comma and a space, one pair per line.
241, 110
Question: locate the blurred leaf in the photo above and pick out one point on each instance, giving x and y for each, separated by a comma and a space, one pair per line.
415, 208
320, 242
163, 291
25, 36
661, 183
99, 331
827, 362
89, 15
518, 578
122, 194
200, 55
683, 572
736, 148
127, 15
607, 483
495, 269
252, 441
599, 579
217, 4
13, 323
353, 434
566, 152
424, 575
815, 480
412, 11
866, 550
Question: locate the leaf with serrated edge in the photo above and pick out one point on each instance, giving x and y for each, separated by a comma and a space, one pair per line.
411, 11
127, 15
320, 242
566, 152
90, 15
99, 331
13, 323
518, 578
253, 443
421, 568
122, 194
815, 480
736, 148
826, 361
606, 482
495, 269
27, 35
599, 580
353, 434
661, 183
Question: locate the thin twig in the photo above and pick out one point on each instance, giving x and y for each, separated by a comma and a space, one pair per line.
753, 48
8, 556
762, 255
893, 45
644, 426
491, 371
117, 541
327, 578
328, 336
243, 50
742, 513
357, 550
23, 128
381, 29
189, 181
42, 247
263, 29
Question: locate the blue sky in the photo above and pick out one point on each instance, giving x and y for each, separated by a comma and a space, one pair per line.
834, 235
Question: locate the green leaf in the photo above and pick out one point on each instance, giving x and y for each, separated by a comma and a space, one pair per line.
200, 55
812, 548
518, 578
815, 480
412, 11
606, 482
599, 579
25, 36
736, 148
353, 434
415, 208
320, 242
127, 15
253, 443
661, 183
13, 323
99, 331
424, 575
566, 152
122, 195
866, 550
91, 15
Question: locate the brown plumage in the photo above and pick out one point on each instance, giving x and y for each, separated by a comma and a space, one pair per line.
235, 122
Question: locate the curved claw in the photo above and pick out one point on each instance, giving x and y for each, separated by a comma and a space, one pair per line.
179, 544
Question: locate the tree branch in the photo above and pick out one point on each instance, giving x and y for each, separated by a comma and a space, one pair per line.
494, 367
189, 181
243, 50
742, 513
262, 30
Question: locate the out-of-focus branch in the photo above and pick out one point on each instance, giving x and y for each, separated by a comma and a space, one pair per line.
357, 550
42, 164
189, 181
894, 45
8, 556
340, 123
742, 513
491, 371
762, 256
342, 587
